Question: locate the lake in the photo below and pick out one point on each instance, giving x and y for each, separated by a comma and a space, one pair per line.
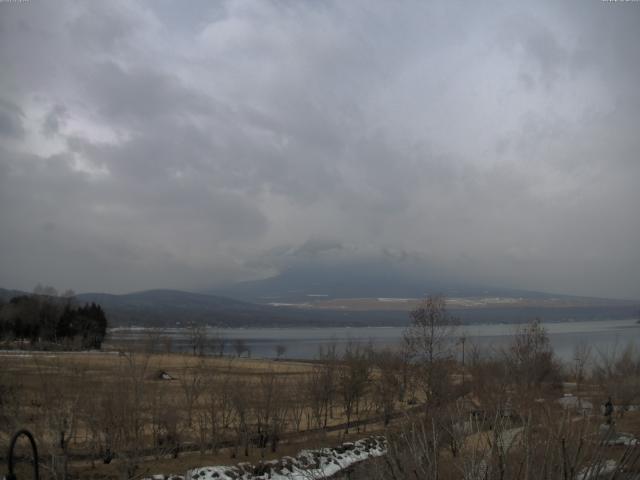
304, 343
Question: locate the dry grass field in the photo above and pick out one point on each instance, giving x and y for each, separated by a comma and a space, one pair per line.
168, 412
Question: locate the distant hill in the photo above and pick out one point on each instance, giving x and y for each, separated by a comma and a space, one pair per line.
178, 308
9, 294
366, 280
168, 308
171, 307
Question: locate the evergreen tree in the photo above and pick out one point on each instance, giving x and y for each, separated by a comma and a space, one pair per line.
44, 318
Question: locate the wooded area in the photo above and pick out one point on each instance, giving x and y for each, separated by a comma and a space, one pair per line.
46, 321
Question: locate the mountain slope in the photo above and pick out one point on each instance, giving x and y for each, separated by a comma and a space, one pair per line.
171, 307
370, 280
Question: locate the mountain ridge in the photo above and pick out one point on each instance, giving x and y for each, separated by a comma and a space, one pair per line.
371, 280
170, 308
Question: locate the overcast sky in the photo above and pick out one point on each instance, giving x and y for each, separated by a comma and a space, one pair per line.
192, 144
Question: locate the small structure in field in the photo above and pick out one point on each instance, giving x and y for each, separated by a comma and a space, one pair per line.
162, 375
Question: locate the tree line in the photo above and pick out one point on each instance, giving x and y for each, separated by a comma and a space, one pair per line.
42, 318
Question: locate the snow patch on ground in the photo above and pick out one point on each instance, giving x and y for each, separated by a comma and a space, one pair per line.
611, 437
307, 465
598, 471
625, 439
580, 405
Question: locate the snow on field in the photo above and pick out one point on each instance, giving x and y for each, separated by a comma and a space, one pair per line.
601, 470
625, 439
307, 465
571, 402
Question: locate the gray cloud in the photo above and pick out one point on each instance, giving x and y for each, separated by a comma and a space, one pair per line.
53, 120
10, 120
140, 94
155, 144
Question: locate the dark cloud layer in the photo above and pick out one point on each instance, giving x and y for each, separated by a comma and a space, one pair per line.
188, 145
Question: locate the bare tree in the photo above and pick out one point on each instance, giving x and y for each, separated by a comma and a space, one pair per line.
316, 393
47, 290
280, 351
540, 447
192, 385
430, 334
323, 384
489, 379
430, 340
218, 343
581, 360
11, 404
167, 343
270, 409
240, 402
68, 293
240, 347
164, 420
298, 395
387, 383
618, 373
218, 406
197, 338
61, 400
128, 416
153, 340
353, 376
531, 361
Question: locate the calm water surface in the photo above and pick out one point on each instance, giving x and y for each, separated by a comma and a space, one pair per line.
304, 343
